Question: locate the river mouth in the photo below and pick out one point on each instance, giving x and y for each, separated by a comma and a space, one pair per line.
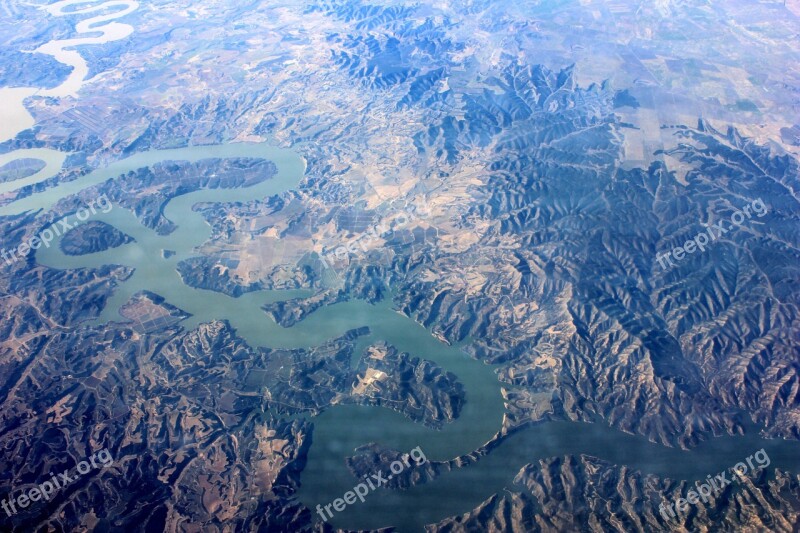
341, 428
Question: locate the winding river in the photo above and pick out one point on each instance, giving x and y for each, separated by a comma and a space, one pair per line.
339, 429
14, 116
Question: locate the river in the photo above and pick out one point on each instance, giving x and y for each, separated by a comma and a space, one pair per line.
341, 428
14, 116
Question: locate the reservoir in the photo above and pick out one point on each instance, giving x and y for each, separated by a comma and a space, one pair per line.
341, 428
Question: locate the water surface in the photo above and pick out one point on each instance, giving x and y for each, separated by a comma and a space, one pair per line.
342, 428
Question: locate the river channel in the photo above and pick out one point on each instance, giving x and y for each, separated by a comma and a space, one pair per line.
341, 428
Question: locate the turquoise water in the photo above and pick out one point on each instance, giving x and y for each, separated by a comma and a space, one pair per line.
341, 428
52, 159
